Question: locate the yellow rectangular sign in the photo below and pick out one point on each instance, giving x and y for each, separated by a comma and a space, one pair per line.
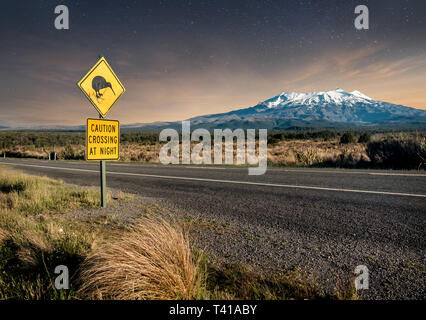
102, 139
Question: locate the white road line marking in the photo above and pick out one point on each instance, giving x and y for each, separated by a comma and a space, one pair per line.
273, 169
279, 170
357, 172
397, 174
227, 181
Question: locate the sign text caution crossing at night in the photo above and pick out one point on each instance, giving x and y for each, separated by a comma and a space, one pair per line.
101, 86
102, 139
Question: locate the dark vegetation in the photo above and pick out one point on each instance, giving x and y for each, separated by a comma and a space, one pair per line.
394, 153
50, 140
326, 135
364, 137
347, 137
47, 140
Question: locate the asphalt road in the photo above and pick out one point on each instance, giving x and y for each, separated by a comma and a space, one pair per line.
324, 221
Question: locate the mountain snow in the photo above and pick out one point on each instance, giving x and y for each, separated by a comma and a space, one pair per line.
337, 96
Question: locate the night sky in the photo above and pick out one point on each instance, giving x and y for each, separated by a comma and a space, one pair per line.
179, 58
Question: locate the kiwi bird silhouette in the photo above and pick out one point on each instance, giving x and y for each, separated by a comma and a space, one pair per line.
99, 83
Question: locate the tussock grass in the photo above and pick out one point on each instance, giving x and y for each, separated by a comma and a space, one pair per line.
31, 195
346, 290
152, 260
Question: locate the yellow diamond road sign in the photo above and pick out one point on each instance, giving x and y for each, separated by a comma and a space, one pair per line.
101, 86
102, 139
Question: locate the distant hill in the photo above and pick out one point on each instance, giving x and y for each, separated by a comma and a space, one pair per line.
330, 109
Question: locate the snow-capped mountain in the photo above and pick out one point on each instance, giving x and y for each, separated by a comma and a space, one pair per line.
337, 96
336, 106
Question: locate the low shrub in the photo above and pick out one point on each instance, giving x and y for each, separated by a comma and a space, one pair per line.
347, 137
364, 138
398, 153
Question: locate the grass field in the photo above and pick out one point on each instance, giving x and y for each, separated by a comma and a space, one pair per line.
149, 259
392, 150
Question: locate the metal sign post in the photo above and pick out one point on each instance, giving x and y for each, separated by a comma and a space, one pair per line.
102, 173
103, 184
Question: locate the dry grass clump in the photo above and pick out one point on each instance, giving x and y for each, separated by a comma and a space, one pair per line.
69, 152
152, 260
306, 153
140, 152
4, 235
